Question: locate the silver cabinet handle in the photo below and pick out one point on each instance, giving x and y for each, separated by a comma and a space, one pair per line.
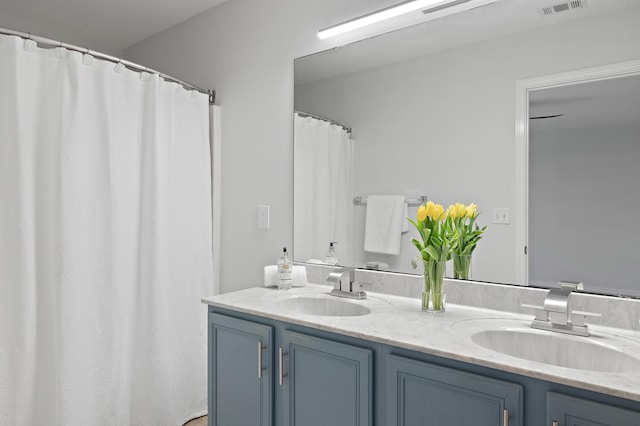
555, 423
505, 417
281, 375
259, 360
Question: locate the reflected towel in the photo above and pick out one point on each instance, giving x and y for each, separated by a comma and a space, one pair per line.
298, 276
405, 215
383, 224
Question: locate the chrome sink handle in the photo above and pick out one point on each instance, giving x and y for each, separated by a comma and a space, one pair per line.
342, 287
579, 318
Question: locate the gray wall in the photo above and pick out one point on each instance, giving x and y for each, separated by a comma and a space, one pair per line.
584, 199
245, 50
442, 125
57, 33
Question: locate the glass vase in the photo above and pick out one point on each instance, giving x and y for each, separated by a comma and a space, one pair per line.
461, 266
433, 297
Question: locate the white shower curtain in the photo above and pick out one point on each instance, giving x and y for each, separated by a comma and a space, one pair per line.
323, 190
105, 242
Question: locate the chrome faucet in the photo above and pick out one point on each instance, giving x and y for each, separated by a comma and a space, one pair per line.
556, 313
343, 280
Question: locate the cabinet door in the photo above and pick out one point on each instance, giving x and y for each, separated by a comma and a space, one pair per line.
571, 411
325, 382
240, 372
418, 393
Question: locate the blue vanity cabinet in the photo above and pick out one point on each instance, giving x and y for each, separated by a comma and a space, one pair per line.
240, 372
325, 382
419, 393
565, 410
333, 379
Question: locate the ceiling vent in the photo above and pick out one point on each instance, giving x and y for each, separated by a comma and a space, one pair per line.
562, 7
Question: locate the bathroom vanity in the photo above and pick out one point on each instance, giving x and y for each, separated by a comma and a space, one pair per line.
304, 357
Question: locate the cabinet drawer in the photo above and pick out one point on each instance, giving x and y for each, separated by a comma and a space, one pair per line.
571, 411
419, 393
240, 392
326, 383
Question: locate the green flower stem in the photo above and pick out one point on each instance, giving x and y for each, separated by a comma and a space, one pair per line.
461, 266
433, 280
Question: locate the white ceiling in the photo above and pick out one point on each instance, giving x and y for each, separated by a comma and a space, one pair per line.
482, 23
609, 102
114, 24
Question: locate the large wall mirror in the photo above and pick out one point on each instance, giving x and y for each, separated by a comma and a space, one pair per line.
430, 110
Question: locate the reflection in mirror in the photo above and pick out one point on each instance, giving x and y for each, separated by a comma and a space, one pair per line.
584, 151
431, 112
323, 191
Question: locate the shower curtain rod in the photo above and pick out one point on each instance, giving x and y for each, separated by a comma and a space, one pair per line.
319, 117
130, 65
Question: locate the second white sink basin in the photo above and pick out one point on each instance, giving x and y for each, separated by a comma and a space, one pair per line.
322, 306
583, 353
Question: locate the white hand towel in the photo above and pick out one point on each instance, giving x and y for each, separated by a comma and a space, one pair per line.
383, 223
298, 276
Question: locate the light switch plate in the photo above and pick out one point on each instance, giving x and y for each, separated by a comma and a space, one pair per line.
501, 216
263, 217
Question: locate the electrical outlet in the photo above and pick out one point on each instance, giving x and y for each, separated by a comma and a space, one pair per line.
501, 216
263, 217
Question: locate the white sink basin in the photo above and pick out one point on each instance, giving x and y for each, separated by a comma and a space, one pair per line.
322, 305
582, 353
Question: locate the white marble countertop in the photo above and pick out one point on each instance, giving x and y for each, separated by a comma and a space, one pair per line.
399, 321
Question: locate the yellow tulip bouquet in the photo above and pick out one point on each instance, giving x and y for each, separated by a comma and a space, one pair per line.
463, 233
430, 224
434, 253
453, 233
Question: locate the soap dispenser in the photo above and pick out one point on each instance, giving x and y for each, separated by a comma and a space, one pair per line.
331, 258
285, 268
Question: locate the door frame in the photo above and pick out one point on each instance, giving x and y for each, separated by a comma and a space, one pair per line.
523, 88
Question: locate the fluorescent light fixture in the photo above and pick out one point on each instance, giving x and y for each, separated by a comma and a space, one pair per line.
387, 13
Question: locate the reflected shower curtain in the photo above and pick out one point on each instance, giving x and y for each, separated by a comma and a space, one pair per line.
323, 190
105, 242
